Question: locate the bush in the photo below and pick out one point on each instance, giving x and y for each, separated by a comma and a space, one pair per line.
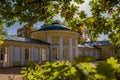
82, 59
54, 71
64, 70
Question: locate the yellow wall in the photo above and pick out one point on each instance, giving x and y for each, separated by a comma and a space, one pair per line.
54, 34
106, 51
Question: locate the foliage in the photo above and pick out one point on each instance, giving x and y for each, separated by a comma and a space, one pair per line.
64, 70
117, 73
104, 16
76, 24
106, 19
32, 11
54, 71
117, 51
25, 31
82, 59
107, 69
3, 31
1, 40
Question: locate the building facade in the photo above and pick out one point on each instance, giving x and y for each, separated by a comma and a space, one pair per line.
53, 42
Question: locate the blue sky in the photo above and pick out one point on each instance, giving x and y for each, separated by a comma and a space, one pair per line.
12, 30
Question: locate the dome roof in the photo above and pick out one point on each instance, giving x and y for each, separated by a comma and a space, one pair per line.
53, 26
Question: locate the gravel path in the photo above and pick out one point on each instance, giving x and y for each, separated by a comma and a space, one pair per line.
10, 73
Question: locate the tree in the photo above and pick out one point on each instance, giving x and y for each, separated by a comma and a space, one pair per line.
76, 24
100, 23
25, 31
32, 11
3, 31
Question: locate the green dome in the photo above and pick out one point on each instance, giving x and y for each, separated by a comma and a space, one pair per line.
53, 26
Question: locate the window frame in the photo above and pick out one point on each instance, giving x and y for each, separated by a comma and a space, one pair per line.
55, 53
65, 53
44, 54
3, 51
27, 55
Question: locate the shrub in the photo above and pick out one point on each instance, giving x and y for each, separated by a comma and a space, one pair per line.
82, 59
107, 69
64, 70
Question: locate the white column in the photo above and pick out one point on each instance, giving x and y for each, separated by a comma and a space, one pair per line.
76, 47
70, 50
49, 40
40, 55
11, 56
61, 48
23, 56
48, 55
32, 53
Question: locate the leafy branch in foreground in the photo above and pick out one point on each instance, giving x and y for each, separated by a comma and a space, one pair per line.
1, 40
64, 70
54, 71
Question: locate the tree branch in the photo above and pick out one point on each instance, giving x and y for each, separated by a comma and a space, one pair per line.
35, 1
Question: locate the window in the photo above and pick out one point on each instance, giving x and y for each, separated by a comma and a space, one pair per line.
65, 53
55, 53
3, 50
2, 54
27, 54
44, 54
1, 57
